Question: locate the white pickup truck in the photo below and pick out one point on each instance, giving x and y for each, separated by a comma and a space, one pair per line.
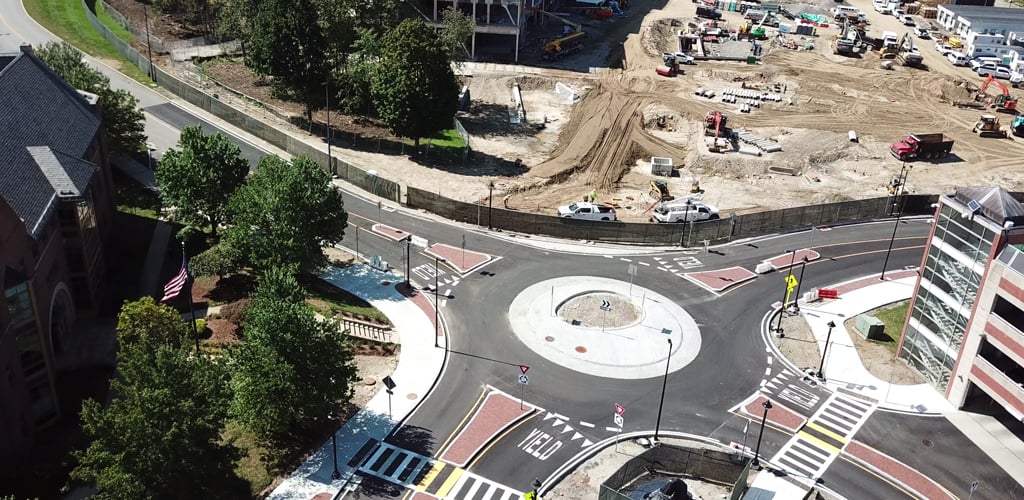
684, 211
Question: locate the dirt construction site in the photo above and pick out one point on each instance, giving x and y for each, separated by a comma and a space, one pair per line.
604, 139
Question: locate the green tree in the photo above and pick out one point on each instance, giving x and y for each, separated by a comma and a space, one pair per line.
122, 118
285, 214
160, 438
458, 28
147, 320
293, 369
199, 178
414, 88
285, 40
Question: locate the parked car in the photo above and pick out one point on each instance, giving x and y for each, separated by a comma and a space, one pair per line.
898, 13
978, 61
998, 70
907, 20
958, 59
587, 211
922, 33
881, 6
943, 48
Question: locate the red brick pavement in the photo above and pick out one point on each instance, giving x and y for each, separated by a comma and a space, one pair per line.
779, 415
872, 280
389, 232
783, 261
422, 302
461, 260
322, 496
896, 470
497, 413
419, 495
720, 279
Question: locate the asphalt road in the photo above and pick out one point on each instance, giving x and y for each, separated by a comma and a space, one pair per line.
485, 351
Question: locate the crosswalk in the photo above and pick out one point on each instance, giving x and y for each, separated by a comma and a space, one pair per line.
433, 477
683, 263
811, 450
786, 385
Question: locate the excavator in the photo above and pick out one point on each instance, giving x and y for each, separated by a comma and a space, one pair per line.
847, 41
714, 126
1003, 102
907, 53
570, 42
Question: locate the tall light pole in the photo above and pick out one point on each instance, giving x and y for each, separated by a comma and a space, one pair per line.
335, 475
901, 183
437, 295
327, 101
490, 204
664, 382
149, 46
408, 251
828, 338
767, 405
803, 265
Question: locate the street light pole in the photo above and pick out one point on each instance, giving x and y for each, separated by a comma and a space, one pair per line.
335, 475
900, 192
767, 405
803, 265
828, 338
149, 45
664, 382
327, 101
408, 251
490, 204
437, 295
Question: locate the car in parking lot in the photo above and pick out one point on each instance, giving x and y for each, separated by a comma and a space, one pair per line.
1000, 71
978, 61
922, 33
881, 7
943, 48
588, 211
907, 20
958, 59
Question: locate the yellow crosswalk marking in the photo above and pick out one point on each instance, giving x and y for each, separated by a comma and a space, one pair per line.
429, 478
819, 443
828, 433
449, 483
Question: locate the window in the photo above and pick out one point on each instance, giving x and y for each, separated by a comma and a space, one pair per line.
20, 303
1009, 312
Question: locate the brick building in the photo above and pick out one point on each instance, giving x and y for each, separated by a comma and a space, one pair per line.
56, 208
965, 327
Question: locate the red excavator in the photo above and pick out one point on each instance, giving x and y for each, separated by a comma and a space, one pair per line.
1003, 102
714, 126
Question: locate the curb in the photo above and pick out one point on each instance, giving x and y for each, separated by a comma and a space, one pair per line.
533, 410
882, 473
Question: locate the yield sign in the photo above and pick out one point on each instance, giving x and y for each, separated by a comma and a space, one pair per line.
524, 369
619, 409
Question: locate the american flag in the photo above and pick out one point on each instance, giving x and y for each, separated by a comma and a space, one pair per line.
173, 287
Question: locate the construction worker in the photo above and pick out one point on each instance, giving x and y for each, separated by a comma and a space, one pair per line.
593, 195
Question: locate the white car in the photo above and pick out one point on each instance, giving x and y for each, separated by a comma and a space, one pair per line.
881, 7
907, 20
588, 211
943, 48
999, 71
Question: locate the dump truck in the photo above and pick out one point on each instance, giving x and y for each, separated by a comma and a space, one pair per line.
924, 146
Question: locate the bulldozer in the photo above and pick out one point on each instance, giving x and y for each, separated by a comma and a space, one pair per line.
989, 126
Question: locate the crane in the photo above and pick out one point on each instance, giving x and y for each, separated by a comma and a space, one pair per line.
1003, 102
568, 43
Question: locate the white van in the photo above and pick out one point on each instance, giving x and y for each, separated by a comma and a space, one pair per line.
958, 59
844, 10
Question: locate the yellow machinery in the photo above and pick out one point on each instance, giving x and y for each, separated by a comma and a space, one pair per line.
570, 41
989, 126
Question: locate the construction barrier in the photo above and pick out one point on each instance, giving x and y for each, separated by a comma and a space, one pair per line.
828, 293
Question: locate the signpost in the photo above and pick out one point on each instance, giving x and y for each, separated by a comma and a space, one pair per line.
389, 383
618, 421
523, 381
974, 487
632, 274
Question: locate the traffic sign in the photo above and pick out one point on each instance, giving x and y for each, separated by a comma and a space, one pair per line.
619, 409
523, 379
388, 382
791, 281
974, 486
632, 269
524, 369
618, 420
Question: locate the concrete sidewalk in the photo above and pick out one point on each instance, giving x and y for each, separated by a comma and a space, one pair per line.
419, 366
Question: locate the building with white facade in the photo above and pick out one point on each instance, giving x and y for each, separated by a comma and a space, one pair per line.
962, 20
965, 327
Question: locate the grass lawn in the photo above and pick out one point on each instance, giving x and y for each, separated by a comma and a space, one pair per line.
252, 467
66, 19
134, 198
892, 316
448, 139
339, 300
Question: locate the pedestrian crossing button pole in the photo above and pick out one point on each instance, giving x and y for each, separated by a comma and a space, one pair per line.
335, 475
437, 295
767, 405
389, 384
828, 338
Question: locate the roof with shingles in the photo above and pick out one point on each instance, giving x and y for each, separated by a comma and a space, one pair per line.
47, 125
996, 203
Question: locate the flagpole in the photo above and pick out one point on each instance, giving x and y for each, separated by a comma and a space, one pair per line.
191, 308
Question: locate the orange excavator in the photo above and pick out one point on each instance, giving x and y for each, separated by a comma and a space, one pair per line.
1003, 102
714, 126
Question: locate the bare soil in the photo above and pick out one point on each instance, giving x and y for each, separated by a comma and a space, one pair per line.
587, 310
627, 115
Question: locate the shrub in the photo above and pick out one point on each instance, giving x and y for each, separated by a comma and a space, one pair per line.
234, 311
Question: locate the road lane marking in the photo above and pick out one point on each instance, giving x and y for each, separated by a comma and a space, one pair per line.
449, 483
819, 443
829, 433
431, 475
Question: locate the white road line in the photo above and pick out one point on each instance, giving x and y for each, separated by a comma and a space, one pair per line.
763, 382
608, 256
767, 371
623, 259
613, 429
769, 360
586, 424
559, 416
444, 302
448, 292
643, 263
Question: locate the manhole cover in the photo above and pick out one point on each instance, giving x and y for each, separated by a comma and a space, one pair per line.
927, 443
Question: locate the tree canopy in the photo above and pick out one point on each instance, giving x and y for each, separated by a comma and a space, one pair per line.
458, 28
147, 320
293, 369
200, 176
285, 214
160, 437
122, 118
414, 88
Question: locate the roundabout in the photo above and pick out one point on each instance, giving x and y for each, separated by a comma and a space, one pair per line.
604, 327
